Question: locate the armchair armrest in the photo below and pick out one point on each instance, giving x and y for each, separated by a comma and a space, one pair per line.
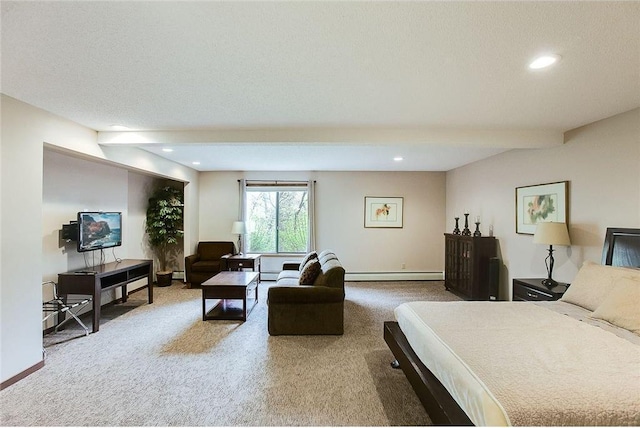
224, 264
188, 262
305, 294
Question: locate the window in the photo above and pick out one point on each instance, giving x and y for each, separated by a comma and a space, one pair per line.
278, 219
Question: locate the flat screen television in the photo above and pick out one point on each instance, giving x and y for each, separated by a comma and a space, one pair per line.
98, 230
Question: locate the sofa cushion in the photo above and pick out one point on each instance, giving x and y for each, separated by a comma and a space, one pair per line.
206, 266
332, 274
288, 278
214, 250
326, 255
305, 260
310, 272
304, 295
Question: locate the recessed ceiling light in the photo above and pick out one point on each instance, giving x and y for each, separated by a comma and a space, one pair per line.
195, 163
167, 150
119, 127
544, 61
398, 158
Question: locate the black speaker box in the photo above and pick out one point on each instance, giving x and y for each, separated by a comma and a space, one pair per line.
494, 278
70, 231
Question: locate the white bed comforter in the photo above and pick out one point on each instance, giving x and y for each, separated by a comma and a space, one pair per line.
517, 363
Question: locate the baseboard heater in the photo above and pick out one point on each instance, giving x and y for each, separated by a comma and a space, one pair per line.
394, 276
376, 276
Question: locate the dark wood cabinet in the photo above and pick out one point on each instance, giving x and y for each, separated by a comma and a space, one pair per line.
531, 289
467, 265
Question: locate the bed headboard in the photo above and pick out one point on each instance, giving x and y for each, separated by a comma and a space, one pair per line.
621, 247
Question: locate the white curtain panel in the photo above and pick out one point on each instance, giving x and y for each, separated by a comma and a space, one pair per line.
242, 209
311, 196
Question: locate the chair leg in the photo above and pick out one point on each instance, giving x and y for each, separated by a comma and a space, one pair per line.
75, 317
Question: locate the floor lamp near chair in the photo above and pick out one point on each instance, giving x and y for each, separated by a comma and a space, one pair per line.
239, 228
551, 233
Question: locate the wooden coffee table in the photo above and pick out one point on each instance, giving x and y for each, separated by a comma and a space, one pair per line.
237, 293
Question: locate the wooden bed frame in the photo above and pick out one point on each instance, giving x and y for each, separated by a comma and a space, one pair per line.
621, 248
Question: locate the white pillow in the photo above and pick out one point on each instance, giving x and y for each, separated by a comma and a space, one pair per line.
622, 305
593, 283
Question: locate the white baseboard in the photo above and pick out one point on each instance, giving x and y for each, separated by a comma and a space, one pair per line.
394, 276
376, 276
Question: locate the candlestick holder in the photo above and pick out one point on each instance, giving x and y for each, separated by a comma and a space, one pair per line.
456, 231
477, 232
466, 231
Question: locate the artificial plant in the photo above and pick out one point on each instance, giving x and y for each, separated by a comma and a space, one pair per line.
164, 223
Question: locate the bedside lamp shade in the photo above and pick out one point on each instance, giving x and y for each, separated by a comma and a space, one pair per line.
551, 234
239, 228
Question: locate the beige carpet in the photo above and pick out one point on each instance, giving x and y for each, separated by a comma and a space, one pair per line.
160, 364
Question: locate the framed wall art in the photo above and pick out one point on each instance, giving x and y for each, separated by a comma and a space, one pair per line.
540, 203
382, 212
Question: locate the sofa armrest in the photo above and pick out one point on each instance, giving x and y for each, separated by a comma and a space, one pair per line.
304, 294
291, 266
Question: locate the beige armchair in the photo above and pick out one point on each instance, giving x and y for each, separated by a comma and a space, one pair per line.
210, 258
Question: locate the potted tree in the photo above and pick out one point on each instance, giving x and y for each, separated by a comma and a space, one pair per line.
164, 227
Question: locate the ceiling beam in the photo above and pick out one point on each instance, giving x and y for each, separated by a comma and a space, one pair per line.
494, 138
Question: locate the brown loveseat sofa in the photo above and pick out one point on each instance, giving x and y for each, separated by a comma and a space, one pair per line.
317, 308
210, 258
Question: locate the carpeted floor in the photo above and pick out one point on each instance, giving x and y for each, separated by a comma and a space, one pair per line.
160, 364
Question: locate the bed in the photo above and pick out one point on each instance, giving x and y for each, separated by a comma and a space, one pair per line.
570, 362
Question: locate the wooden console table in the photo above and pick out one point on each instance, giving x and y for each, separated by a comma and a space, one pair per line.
105, 277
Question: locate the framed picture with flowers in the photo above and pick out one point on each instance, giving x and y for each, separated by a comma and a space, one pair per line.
383, 211
539, 203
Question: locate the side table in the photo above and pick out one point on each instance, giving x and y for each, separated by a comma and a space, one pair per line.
531, 289
240, 262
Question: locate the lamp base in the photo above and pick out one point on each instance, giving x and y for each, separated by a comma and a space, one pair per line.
549, 282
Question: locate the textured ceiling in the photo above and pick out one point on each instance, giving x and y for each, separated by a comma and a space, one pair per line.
459, 68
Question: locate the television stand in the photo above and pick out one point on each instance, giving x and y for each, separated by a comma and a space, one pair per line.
105, 277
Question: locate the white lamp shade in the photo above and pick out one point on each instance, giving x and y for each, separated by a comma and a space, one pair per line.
551, 233
239, 228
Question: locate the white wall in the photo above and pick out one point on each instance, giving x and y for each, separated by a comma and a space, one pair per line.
340, 216
25, 263
24, 129
601, 161
70, 185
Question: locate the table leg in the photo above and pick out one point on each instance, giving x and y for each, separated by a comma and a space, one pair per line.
150, 287
244, 306
96, 313
204, 308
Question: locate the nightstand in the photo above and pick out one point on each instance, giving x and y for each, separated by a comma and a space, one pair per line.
245, 261
531, 289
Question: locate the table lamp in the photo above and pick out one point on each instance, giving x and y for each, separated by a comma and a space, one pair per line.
239, 228
551, 234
